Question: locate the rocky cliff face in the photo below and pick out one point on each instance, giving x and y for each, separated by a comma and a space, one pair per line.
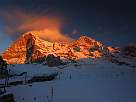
29, 47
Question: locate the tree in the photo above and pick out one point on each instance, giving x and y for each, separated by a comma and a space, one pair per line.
3, 68
3, 64
3, 71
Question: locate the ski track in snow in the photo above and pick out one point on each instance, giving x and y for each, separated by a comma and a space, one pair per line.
89, 81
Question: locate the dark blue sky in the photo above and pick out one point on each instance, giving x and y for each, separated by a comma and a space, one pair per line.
110, 21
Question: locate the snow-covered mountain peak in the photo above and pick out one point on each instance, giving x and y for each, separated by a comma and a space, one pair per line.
30, 47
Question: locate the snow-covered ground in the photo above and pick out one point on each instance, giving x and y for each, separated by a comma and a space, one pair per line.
89, 81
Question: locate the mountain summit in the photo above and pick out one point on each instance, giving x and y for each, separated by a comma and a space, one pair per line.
29, 47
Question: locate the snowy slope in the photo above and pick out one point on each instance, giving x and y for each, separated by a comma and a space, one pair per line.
86, 81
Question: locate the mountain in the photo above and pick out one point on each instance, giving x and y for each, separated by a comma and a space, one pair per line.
129, 51
29, 47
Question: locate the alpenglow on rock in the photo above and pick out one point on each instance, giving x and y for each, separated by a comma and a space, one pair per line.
29, 47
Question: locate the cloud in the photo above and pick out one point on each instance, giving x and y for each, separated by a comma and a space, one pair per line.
18, 22
75, 31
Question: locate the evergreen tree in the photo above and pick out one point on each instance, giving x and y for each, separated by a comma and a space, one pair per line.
3, 66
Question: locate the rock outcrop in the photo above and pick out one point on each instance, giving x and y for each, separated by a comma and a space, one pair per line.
129, 51
29, 48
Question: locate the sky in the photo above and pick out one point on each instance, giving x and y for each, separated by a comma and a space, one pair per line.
112, 22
